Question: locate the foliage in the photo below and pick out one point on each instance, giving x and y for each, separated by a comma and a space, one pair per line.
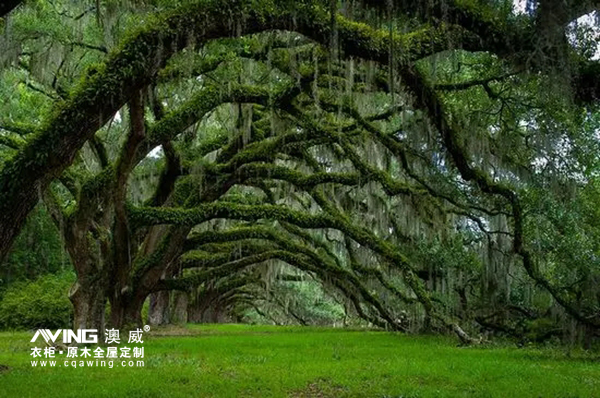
42, 303
419, 168
37, 251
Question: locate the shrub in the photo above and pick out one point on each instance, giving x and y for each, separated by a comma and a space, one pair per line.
42, 303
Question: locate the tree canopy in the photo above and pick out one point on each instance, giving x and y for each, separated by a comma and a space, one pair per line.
429, 165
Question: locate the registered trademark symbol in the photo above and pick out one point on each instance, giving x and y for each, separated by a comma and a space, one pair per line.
146, 328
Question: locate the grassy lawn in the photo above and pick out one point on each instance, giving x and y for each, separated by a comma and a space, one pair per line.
257, 361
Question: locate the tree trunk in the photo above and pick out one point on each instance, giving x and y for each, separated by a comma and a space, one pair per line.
159, 312
126, 310
89, 305
213, 314
180, 306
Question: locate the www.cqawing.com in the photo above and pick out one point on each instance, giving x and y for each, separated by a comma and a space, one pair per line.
81, 364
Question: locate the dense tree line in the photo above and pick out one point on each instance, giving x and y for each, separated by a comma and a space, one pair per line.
420, 165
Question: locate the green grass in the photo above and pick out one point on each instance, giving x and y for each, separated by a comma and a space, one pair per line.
258, 361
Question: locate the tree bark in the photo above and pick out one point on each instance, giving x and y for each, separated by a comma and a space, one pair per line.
159, 312
89, 305
126, 311
180, 305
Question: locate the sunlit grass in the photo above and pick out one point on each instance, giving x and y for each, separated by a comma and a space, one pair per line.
262, 361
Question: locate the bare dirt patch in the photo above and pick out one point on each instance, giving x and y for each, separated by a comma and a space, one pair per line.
320, 388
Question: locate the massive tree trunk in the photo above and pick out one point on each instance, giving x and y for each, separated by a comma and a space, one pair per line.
126, 311
89, 304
